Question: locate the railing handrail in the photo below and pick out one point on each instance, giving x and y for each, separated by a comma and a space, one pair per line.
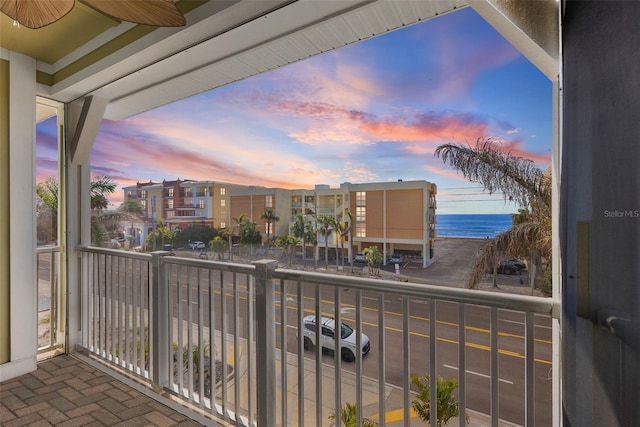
114, 252
216, 265
537, 305
128, 303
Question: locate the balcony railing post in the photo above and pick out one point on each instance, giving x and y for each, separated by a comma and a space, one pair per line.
159, 328
265, 343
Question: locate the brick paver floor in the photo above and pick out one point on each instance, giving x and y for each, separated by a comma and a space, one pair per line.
65, 391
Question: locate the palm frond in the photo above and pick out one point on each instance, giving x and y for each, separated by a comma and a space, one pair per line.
517, 178
519, 241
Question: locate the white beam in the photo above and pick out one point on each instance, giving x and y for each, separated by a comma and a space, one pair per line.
531, 26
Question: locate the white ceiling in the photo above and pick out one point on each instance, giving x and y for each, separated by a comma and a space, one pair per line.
169, 64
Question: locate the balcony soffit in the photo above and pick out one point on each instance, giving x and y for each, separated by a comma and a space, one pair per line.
137, 68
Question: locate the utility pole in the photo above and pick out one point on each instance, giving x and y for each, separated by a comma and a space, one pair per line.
153, 219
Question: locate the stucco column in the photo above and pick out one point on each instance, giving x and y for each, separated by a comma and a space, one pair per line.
83, 118
18, 219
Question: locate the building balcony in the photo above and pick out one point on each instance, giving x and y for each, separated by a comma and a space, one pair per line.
222, 346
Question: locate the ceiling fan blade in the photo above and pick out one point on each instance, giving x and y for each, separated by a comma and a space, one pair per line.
160, 13
36, 14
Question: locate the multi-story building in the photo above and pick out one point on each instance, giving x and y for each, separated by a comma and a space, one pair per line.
396, 217
252, 201
181, 203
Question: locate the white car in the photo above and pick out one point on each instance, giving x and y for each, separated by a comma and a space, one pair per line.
197, 245
347, 337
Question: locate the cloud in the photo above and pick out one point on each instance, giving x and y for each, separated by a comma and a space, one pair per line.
443, 172
373, 111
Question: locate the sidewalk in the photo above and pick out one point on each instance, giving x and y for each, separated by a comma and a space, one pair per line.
393, 396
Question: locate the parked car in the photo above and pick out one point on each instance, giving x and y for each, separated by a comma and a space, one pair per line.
197, 245
347, 337
395, 259
506, 268
520, 265
359, 257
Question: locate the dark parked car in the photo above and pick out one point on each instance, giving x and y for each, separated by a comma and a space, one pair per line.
506, 268
516, 263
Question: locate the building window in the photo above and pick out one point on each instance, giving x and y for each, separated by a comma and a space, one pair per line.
223, 225
129, 194
223, 214
223, 191
170, 203
361, 219
268, 201
361, 198
223, 202
201, 204
188, 192
143, 202
170, 192
143, 194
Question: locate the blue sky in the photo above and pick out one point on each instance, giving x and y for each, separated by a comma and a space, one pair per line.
370, 112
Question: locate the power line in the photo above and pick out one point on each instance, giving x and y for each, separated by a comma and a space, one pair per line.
474, 200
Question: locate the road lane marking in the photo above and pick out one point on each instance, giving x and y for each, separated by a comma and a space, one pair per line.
425, 319
447, 340
395, 415
478, 374
417, 334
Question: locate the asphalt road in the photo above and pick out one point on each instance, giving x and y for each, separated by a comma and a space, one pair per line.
477, 364
477, 326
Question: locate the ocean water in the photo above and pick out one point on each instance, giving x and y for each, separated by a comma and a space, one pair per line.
474, 226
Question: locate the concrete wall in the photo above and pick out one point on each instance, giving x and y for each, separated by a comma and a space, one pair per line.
600, 212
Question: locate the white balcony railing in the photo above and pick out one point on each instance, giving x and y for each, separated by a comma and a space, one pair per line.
226, 339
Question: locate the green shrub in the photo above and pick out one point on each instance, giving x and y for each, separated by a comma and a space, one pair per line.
447, 404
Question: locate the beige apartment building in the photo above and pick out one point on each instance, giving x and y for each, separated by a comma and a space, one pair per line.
396, 217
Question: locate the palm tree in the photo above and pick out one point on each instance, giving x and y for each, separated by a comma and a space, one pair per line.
218, 245
520, 181
298, 230
350, 234
288, 243
349, 417
132, 209
227, 233
100, 187
249, 234
311, 237
164, 232
324, 229
269, 216
339, 229
447, 405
